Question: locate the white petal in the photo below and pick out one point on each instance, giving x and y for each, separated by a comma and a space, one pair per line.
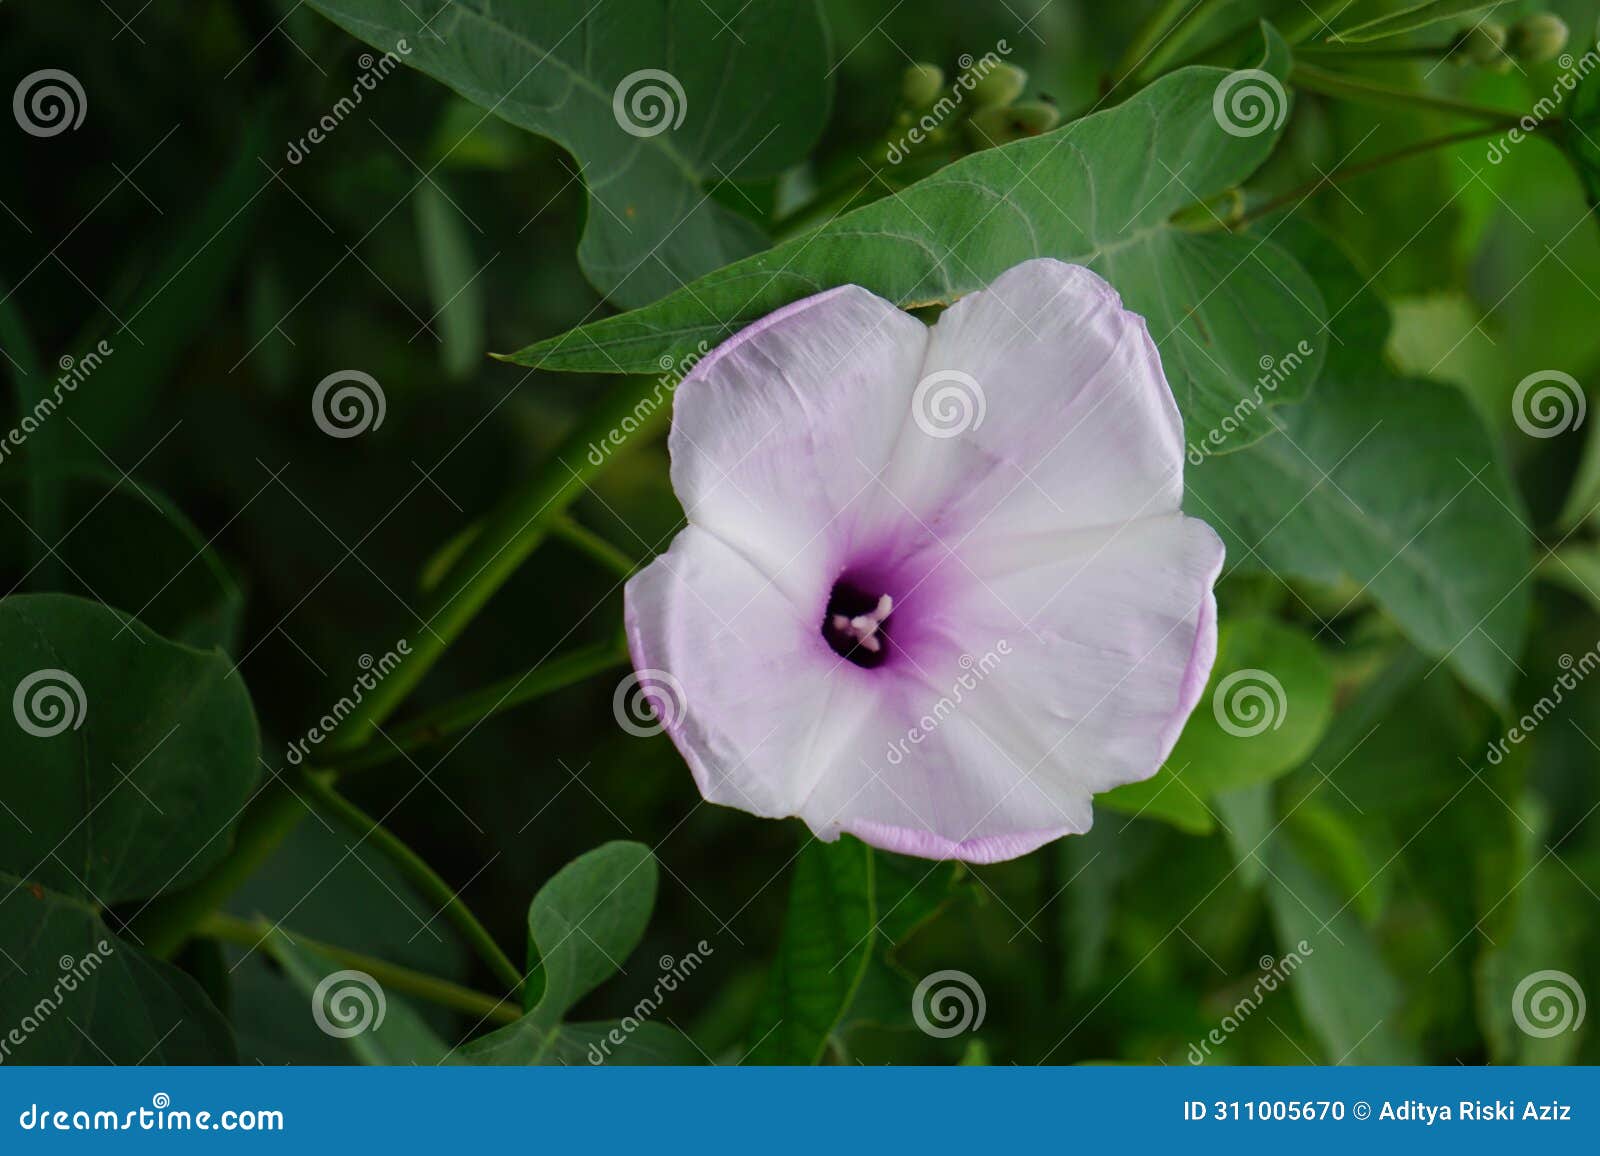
778, 435
1078, 427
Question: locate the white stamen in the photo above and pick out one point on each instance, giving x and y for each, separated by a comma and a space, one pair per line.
864, 627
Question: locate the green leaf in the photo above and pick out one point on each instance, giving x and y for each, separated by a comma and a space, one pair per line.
1391, 484
585, 922
392, 1032
1342, 986
581, 926
1410, 19
823, 955
1524, 973
1265, 707
128, 545
751, 96
1575, 567
1100, 192
140, 753
1582, 138
79, 994
452, 276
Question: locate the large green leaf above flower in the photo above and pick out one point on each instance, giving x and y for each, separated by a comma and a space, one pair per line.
1102, 192
658, 102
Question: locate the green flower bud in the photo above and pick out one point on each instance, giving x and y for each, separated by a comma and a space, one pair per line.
1484, 44
920, 84
1001, 85
1537, 38
998, 126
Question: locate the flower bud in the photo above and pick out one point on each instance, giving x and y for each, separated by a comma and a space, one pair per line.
1001, 85
1484, 44
1537, 38
998, 126
920, 84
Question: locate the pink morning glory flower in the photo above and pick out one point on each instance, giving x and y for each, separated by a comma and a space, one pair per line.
935, 589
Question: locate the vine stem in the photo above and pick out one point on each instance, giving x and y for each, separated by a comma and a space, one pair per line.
1163, 43
329, 801
509, 534
249, 933
1344, 174
1346, 87
470, 709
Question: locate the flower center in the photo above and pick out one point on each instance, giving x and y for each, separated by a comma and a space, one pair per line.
856, 624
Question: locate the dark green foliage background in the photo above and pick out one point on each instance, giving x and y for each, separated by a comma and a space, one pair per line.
230, 282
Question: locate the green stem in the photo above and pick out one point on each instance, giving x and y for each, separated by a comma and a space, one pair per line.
461, 713
231, 929
1154, 62
1315, 18
1371, 52
586, 541
320, 787
162, 926
509, 534
1420, 147
1345, 87
1149, 36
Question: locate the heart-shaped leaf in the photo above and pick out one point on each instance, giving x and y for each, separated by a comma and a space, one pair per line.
1102, 192
658, 102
